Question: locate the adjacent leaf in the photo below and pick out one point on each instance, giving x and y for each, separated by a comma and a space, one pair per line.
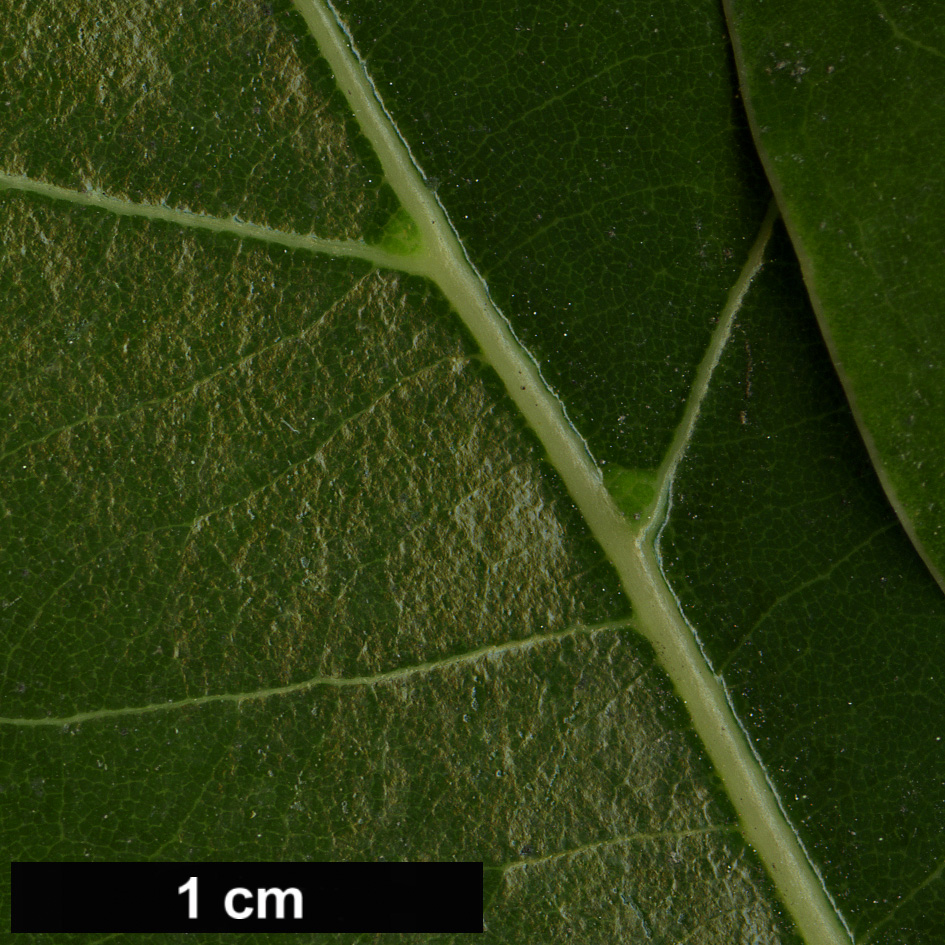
846, 105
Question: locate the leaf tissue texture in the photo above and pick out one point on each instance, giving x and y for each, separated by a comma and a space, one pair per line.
284, 576
847, 107
285, 579
829, 638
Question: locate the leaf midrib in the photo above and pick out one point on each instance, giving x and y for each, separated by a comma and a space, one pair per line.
633, 550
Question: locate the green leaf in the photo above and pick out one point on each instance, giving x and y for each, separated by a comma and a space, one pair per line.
507, 509
846, 106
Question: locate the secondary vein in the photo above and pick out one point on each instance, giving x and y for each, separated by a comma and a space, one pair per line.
682, 437
800, 589
642, 837
933, 876
233, 226
401, 674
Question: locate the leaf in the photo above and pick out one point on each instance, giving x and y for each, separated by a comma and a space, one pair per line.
298, 564
846, 109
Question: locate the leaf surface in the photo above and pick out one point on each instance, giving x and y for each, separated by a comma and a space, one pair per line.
299, 564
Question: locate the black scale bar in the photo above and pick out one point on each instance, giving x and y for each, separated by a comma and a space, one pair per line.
246, 897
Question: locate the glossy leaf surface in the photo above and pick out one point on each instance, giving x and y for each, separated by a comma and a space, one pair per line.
847, 105
286, 574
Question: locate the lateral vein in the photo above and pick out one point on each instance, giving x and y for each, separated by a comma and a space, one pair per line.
642, 837
490, 651
233, 226
702, 379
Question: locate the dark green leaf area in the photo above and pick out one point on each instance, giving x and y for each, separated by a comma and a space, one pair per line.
567, 766
596, 166
273, 467
222, 108
810, 601
848, 104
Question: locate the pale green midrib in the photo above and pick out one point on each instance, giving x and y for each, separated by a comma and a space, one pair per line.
350, 249
630, 549
595, 845
487, 652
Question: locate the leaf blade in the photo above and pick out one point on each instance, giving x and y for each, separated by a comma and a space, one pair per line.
590, 832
